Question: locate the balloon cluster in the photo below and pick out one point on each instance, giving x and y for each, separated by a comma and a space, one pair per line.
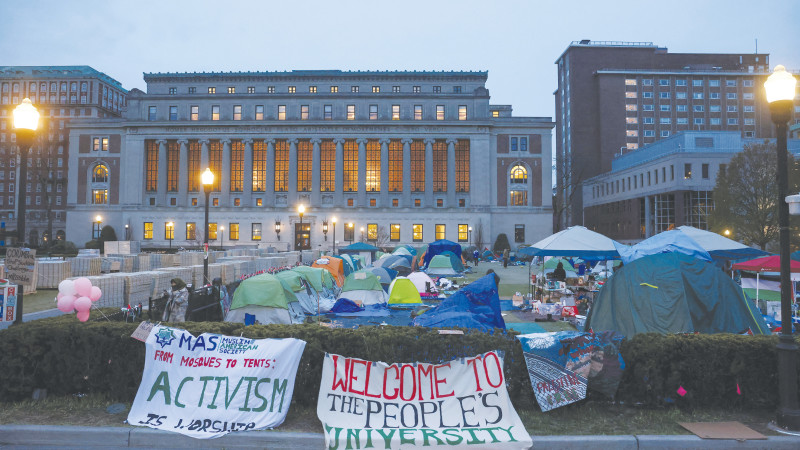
77, 295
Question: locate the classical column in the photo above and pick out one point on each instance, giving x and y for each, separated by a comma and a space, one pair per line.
269, 183
384, 173
648, 229
406, 172
203, 155
451, 173
429, 173
162, 172
292, 178
183, 172
315, 173
225, 176
247, 176
362, 172
339, 182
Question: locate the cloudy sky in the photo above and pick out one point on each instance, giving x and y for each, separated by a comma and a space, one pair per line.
516, 41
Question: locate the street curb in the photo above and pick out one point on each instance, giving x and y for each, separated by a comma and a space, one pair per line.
121, 437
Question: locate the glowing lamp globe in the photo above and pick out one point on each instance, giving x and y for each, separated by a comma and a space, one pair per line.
26, 117
780, 85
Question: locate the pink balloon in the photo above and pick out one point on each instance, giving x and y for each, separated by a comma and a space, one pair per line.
58, 296
83, 316
66, 304
83, 304
95, 294
83, 287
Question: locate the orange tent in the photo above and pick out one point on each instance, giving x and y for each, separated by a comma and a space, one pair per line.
334, 266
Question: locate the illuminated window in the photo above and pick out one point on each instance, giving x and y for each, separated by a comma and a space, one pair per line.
304, 154
231, 90
416, 89
394, 232
519, 175
495, 113
372, 231
351, 112
440, 232
212, 90
259, 166
376, 89
281, 165
439, 112
212, 230
237, 112
237, 166
312, 89
334, 89
417, 112
270, 89
395, 166
255, 232
233, 233
439, 166
373, 112
292, 89
194, 166
350, 160
191, 231
462, 112
151, 163
395, 202
630, 107
373, 155
281, 112
630, 82
395, 112
304, 112
631, 120
215, 112
519, 198
100, 174
148, 230
173, 153
417, 166
463, 232
630, 95
169, 231
251, 89
259, 112
462, 165
416, 232
327, 165
99, 196
195, 113
215, 162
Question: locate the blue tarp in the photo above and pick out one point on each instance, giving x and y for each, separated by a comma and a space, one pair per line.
440, 246
476, 305
345, 305
673, 241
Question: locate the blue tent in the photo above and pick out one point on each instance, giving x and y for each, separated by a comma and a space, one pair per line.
476, 305
438, 247
672, 241
455, 261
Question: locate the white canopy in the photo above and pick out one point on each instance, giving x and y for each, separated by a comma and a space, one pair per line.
575, 241
719, 246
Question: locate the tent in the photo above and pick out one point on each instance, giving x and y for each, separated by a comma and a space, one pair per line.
455, 261
422, 282
665, 242
323, 284
440, 265
306, 296
672, 293
437, 247
384, 275
488, 255
551, 264
399, 263
265, 297
347, 264
362, 249
403, 292
364, 288
767, 264
476, 305
404, 250
574, 241
720, 247
333, 265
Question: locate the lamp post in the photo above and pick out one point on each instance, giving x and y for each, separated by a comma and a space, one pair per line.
26, 120
170, 233
470, 235
362, 234
208, 184
278, 229
300, 210
221, 236
98, 221
325, 229
780, 87
333, 220
352, 232
127, 232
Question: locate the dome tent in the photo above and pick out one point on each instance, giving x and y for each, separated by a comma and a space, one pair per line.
441, 265
438, 247
364, 288
265, 297
403, 292
305, 294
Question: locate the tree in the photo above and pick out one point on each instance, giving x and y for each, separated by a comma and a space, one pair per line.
746, 195
477, 238
501, 243
568, 181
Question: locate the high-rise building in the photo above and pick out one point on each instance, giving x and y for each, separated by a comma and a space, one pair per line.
62, 94
615, 97
397, 157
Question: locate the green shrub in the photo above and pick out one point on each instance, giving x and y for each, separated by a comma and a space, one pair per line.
94, 243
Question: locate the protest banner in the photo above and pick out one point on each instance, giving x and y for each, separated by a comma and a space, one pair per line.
457, 404
20, 264
210, 385
8, 302
563, 365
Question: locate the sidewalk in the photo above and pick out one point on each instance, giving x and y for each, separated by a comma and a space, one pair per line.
27, 317
121, 437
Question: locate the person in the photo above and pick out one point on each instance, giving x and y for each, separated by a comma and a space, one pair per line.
560, 274
175, 310
476, 256
505, 258
496, 278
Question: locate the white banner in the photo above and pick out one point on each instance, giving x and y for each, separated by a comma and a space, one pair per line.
211, 385
461, 403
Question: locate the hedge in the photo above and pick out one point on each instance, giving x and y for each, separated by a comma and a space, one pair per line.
66, 356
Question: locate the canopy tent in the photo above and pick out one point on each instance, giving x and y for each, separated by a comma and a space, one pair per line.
363, 288
672, 293
476, 305
665, 242
574, 241
440, 265
362, 249
766, 264
403, 292
307, 297
333, 265
720, 247
437, 247
265, 297
422, 282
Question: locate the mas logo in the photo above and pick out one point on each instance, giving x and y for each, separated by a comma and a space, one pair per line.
165, 336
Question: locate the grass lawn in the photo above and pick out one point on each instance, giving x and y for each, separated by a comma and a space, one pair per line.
43, 299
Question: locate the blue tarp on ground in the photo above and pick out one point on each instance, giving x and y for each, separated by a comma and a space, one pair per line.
438, 247
673, 241
345, 305
476, 305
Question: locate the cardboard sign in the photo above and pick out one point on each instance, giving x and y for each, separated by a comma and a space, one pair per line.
458, 404
142, 331
8, 302
20, 263
210, 385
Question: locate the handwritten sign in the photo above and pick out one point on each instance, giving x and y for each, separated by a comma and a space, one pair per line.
142, 331
20, 263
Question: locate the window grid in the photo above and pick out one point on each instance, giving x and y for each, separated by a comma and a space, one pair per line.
698, 206
148, 230
193, 162
372, 231
151, 162
417, 166
215, 162
463, 232
233, 233
350, 160
416, 232
394, 232
259, 166
439, 166
304, 164
281, 165
373, 155
255, 232
327, 165
191, 231
396, 165
237, 166
173, 153
439, 231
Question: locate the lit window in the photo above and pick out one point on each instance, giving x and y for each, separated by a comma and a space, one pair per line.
417, 112
519, 198
270, 89
195, 113
281, 112
351, 112
304, 112
439, 112
632, 120
376, 89
251, 89
394, 231
231, 90
312, 89
255, 233
632, 133
462, 112
396, 111
373, 112
234, 231
292, 89
148, 230
191, 231
630, 82
212, 230
632, 107
215, 112
416, 232
334, 89
259, 112
630, 95
495, 113
372, 231
519, 175
237, 112
212, 90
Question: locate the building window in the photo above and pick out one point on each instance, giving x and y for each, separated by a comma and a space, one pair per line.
327, 167
714, 96
215, 162
231, 90
304, 155
328, 112
663, 94
697, 95
518, 175
372, 231
259, 112
350, 169
292, 89
281, 112
439, 232
354, 89
395, 202
270, 89
173, 113
687, 171
192, 90
394, 232
416, 232
519, 233
417, 112
237, 166
99, 196
351, 112
664, 133
714, 108
373, 112
212, 90
632, 107
681, 108
649, 120
215, 112
212, 230
417, 203
373, 166
233, 234
731, 95
713, 83
665, 120
462, 112
281, 166
704, 171
395, 112
334, 89
376, 89
437, 89
194, 166
698, 121
439, 166
649, 133
519, 198
151, 164
645, 107
312, 89
151, 113
259, 166
417, 166
749, 109
237, 112
680, 95
395, 165
195, 112
733, 121
730, 83
439, 112
663, 82
416, 89
148, 230
173, 153
251, 89
255, 232
304, 112
732, 108
191, 231
462, 165
647, 94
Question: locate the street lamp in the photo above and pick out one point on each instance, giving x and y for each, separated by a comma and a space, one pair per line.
352, 231
727, 232
98, 221
26, 120
362, 234
333, 220
278, 229
470, 235
170, 233
207, 179
221, 236
127, 232
300, 210
780, 87
325, 229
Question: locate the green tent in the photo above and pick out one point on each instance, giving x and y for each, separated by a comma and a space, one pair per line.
552, 263
319, 278
403, 292
262, 290
291, 279
441, 265
672, 293
358, 281
401, 251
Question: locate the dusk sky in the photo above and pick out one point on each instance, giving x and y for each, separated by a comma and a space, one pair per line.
516, 41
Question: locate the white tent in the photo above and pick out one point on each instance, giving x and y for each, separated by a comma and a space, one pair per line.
421, 280
720, 247
575, 241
